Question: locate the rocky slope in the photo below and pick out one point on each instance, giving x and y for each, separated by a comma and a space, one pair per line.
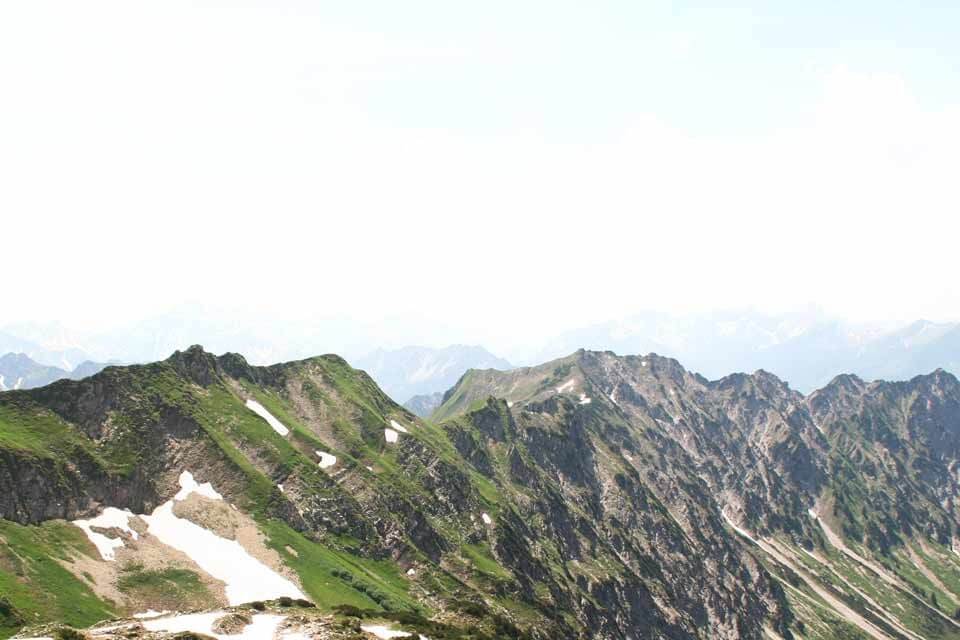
846, 496
595, 496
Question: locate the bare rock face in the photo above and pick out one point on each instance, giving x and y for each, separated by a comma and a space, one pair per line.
217, 516
232, 623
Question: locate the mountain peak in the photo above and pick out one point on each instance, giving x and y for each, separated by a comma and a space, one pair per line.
20, 359
196, 364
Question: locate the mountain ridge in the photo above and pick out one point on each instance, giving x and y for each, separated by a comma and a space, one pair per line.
593, 496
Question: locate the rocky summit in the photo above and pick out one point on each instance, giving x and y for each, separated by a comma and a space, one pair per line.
594, 496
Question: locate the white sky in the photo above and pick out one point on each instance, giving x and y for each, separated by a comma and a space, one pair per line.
514, 170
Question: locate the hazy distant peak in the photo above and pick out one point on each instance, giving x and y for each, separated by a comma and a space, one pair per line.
415, 370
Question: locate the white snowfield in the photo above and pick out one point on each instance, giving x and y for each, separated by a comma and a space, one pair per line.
246, 578
399, 427
326, 459
3, 386
110, 518
486, 518
150, 613
19, 382
261, 411
390, 435
584, 399
263, 627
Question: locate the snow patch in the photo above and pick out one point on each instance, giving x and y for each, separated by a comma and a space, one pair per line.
411, 572
509, 404
628, 456
150, 613
261, 411
584, 399
399, 427
486, 518
280, 486
18, 384
246, 578
566, 386
643, 363
110, 518
326, 459
3, 387
188, 485
386, 633
263, 627
390, 435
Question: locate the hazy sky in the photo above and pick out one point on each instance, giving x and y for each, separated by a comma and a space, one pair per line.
513, 167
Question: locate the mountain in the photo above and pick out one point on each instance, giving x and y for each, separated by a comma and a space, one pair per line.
412, 371
88, 368
424, 405
807, 349
593, 496
18, 371
847, 496
62, 357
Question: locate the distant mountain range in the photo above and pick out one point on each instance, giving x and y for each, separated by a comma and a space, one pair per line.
63, 357
424, 371
805, 349
19, 371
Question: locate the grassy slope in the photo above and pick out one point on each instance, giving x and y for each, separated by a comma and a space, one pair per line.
31, 430
34, 582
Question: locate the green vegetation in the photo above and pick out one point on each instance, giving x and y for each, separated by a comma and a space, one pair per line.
333, 577
164, 588
27, 428
483, 561
34, 584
